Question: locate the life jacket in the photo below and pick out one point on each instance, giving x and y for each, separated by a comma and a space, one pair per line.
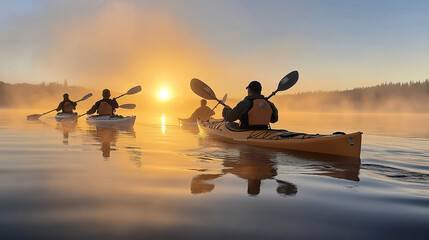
260, 113
68, 107
105, 108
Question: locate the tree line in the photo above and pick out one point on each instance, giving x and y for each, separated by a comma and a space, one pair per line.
31, 95
386, 97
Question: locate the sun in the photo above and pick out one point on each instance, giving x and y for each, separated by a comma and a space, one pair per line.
164, 94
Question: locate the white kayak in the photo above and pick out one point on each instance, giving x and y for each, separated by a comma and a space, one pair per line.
61, 116
187, 123
111, 121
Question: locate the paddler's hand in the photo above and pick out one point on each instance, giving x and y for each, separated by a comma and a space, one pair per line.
225, 111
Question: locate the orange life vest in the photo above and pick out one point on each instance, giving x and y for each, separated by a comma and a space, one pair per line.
105, 108
68, 107
260, 113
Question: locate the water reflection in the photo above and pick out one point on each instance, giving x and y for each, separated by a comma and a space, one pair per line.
66, 128
255, 164
189, 129
108, 138
163, 124
322, 165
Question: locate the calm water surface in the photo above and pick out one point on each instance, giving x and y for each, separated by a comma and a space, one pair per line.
161, 181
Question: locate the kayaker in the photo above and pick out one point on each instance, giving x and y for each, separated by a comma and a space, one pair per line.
203, 112
67, 105
105, 106
254, 112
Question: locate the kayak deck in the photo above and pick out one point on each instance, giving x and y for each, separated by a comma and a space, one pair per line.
61, 116
341, 144
111, 121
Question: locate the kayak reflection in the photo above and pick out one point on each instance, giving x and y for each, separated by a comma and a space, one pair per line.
66, 128
253, 166
256, 164
108, 138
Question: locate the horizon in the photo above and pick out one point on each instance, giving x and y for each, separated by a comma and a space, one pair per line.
162, 91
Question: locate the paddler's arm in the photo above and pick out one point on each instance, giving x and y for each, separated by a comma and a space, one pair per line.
210, 111
231, 115
114, 103
275, 114
94, 108
74, 105
60, 106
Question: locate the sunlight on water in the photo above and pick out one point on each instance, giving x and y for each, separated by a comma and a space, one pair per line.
157, 180
163, 124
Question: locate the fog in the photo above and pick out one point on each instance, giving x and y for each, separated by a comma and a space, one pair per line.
116, 45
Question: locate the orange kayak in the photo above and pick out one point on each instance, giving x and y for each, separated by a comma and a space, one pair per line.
339, 143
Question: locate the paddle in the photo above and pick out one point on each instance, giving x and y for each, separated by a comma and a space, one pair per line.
204, 91
132, 91
37, 116
128, 106
223, 100
287, 82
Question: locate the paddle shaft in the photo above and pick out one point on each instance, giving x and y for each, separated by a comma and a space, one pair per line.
81, 115
215, 107
121, 95
220, 102
272, 94
48, 112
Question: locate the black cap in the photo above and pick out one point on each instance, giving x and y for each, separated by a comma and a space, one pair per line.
255, 86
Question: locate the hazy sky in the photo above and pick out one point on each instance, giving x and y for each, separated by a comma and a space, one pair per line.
334, 44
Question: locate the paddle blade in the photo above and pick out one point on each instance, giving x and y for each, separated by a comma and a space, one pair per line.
202, 90
128, 106
224, 98
86, 97
33, 116
134, 90
288, 81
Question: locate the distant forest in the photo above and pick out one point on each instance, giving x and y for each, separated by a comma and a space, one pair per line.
386, 97
22, 95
